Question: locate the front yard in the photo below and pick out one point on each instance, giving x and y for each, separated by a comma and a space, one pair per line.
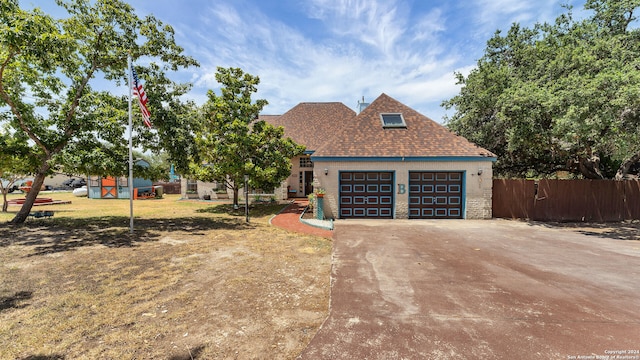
192, 282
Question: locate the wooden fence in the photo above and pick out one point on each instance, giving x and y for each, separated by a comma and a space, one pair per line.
567, 200
169, 187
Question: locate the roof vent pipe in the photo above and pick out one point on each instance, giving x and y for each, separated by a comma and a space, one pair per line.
362, 105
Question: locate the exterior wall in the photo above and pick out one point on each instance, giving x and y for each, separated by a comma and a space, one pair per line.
295, 183
204, 188
478, 188
94, 187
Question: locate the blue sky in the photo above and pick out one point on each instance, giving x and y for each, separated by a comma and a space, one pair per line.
340, 50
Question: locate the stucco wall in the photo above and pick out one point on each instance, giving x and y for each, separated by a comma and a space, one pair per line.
204, 188
293, 182
478, 188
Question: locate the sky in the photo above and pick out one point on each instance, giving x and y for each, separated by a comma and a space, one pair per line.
339, 50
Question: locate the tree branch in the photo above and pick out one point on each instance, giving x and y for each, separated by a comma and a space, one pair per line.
14, 107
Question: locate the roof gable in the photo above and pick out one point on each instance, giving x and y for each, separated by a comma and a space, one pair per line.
366, 136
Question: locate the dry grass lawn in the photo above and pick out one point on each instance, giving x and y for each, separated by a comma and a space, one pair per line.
193, 282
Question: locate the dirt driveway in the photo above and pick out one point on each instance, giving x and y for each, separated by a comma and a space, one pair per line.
479, 290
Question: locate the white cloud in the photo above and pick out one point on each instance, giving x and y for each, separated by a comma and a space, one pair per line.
356, 48
377, 23
500, 14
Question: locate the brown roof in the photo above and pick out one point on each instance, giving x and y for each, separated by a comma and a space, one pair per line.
309, 123
364, 136
269, 118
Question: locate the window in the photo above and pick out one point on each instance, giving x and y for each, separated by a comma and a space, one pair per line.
305, 162
123, 182
392, 121
94, 181
192, 186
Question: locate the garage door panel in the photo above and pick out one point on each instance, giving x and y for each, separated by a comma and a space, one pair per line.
426, 189
435, 195
427, 177
386, 188
366, 195
386, 212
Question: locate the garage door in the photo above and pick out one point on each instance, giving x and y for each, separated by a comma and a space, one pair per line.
366, 195
435, 195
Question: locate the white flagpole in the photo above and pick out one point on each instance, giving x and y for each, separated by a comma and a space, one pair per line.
130, 148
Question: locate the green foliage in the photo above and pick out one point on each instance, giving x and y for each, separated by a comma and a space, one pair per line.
561, 96
15, 164
47, 66
234, 143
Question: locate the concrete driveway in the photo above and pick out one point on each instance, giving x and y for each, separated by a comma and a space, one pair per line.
493, 289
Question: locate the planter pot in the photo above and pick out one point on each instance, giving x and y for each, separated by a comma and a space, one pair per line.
320, 196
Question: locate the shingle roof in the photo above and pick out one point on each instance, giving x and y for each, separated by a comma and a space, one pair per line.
269, 118
364, 136
309, 123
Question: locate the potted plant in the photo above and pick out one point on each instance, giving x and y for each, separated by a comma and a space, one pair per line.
320, 192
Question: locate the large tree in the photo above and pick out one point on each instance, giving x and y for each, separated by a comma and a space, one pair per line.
234, 143
15, 162
561, 96
47, 67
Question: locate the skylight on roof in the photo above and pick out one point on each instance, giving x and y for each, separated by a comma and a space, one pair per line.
393, 120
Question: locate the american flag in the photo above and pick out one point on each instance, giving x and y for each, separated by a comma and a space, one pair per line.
142, 98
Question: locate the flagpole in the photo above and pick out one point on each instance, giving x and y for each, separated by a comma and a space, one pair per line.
130, 148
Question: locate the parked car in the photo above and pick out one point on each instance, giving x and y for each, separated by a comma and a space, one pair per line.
74, 183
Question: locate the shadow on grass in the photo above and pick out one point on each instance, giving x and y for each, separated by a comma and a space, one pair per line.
66, 234
255, 210
190, 354
614, 230
44, 357
12, 302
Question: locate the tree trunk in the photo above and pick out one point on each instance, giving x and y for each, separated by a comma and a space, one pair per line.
5, 205
22, 215
235, 196
590, 167
623, 170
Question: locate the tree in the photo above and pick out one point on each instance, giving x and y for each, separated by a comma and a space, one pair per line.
234, 143
47, 67
561, 96
14, 163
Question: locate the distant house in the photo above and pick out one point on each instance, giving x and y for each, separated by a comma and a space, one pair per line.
118, 188
387, 161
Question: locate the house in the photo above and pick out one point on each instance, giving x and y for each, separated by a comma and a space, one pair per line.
388, 161
110, 187
309, 124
